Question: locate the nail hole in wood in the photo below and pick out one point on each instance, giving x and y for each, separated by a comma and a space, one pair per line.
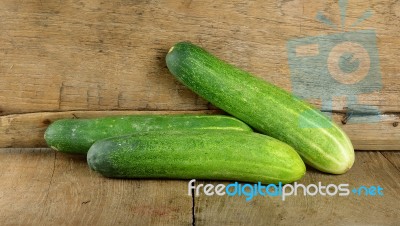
346, 118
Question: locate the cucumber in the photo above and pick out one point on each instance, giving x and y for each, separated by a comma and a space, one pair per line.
212, 154
77, 135
264, 106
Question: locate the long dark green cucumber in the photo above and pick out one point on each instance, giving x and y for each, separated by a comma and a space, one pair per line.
77, 135
212, 154
264, 106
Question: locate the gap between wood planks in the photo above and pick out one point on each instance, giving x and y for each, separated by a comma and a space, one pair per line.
51, 177
390, 161
193, 207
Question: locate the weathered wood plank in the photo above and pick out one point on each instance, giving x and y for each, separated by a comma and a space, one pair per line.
26, 130
103, 55
370, 169
382, 135
393, 158
42, 187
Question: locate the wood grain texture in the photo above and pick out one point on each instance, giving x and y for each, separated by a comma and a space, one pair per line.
393, 158
101, 55
27, 130
370, 169
382, 135
42, 187
75, 58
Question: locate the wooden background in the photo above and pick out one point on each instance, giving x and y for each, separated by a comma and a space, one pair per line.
75, 58
98, 55
43, 187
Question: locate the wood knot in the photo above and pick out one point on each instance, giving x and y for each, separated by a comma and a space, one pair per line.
46, 122
395, 124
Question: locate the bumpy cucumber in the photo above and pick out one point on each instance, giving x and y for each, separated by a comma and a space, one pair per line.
77, 135
264, 106
212, 154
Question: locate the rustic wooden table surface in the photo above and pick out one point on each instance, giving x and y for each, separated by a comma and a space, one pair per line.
75, 58
43, 187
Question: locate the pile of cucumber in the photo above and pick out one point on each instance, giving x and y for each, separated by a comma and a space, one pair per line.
288, 132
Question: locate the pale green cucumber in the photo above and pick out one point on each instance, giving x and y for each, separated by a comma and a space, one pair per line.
264, 106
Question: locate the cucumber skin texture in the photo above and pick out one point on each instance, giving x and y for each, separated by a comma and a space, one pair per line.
77, 135
264, 106
213, 155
